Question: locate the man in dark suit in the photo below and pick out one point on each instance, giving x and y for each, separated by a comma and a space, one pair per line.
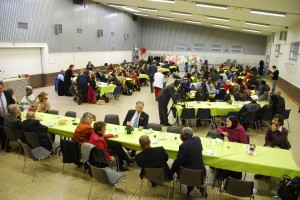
33, 125
189, 154
5, 100
163, 99
150, 157
138, 118
151, 71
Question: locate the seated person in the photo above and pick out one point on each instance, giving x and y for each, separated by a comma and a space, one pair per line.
100, 76
241, 94
113, 80
201, 94
264, 87
211, 85
84, 129
250, 108
152, 157
33, 125
220, 93
281, 101
221, 82
42, 105
98, 138
227, 85
29, 99
60, 83
12, 120
230, 95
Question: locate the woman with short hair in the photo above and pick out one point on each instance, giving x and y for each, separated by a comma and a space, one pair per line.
84, 129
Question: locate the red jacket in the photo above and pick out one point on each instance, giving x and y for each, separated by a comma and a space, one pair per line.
100, 142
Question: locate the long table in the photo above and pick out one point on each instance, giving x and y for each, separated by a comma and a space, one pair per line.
105, 88
225, 155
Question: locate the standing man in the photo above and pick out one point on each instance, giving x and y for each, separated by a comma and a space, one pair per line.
67, 80
90, 66
5, 100
151, 71
163, 99
155, 157
189, 155
274, 76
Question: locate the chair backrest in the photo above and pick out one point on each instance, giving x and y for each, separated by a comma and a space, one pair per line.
70, 151
10, 134
203, 113
156, 175
266, 116
191, 177
32, 139
213, 134
250, 117
70, 114
27, 150
188, 113
53, 112
99, 174
174, 129
106, 175
112, 119
239, 188
99, 156
285, 113
118, 90
155, 127
236, 114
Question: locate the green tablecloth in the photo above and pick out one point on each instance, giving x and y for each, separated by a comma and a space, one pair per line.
216, 108
106, 88
228, 155
145, 76
166, 70
173, 67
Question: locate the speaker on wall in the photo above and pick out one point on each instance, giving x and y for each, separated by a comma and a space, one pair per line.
283, 35
134, 17
58, 28
99, 33
79, 2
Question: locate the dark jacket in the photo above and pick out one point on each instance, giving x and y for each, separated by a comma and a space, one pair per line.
249, 109
190, 156
70, 151
143, 120
153, 158
204, 96
152, 70
166, 94
9, 98
15, 124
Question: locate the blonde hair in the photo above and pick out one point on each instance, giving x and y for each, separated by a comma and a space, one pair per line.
86, 116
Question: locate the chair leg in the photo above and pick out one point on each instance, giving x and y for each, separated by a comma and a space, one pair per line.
37, 163
112, 193
90, 190
52, 163
141, 188
6, 143
25, 159
19, 151
288, 125
63, 167
169, 190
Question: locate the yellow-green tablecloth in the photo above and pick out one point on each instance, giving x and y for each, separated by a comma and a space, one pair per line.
145, 76
228, 155
104, 88
216, 108
173, 67
166, 70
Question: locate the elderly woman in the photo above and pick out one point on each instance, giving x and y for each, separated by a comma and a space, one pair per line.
84, 129
98, 138
29, 99
159, 80
42, 105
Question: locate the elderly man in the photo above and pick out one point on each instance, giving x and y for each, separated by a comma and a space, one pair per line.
189, 155
29, 99
33, 125
5, 100
152, 157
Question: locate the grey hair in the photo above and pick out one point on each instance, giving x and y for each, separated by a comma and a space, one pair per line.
85, 117
30, 115
139, 102
188, 132
13, 108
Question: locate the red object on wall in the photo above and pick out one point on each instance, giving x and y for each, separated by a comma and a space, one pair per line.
143, 50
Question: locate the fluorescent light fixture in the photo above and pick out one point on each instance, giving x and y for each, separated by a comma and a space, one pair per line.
116, 5
161, 17
164, 1
195, 22
181, 13
130, 9
222, 26
216, 18
140, 14
147, 9
263, 12
206, 5
257, 24
251, 30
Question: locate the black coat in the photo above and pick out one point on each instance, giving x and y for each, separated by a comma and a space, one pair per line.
143, 120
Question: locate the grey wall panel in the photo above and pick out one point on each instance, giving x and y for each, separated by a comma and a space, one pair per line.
42, 16
162, 35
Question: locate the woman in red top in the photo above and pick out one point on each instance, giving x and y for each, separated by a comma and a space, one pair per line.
84, 129
98, 138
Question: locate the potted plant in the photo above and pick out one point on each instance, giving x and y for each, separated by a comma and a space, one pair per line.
229, 101
129, 129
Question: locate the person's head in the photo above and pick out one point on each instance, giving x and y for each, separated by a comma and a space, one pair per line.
277, 92
99, 127
254, 98
86, 72
30, 115
221, 86
87, 118
42, 96
278, 120
188, 75
232, 122
200, 89
89, 62
176, 83
112, 76
228, 82
11, 91
209, 80
1, 87
186, 133
28, 90
144, 142
139, 106
160, 70
274, 67
14, 109
71, 67
93, 76
242, 88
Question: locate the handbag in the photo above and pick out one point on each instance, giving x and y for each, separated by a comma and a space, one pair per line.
289, 188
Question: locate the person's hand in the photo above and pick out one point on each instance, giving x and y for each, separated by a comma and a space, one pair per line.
113, 158
115, 135
225, 133
140, 128
273, 128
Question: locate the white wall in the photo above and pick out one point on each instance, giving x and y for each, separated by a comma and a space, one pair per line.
289, 70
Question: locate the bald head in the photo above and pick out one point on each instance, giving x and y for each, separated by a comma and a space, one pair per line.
144, 142
30, 115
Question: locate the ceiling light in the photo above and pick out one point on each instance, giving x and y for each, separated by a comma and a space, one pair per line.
222, 26
181, 13
216, 18
148, 9
164, 1
263, 12
116, 5
130, 9
251, 30
140, 14
195, 22
161, 17
257, 24
211, 6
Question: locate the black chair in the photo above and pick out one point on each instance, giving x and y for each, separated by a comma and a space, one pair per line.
204, 114
187, 115
174, 129
155, 127
70, 114
249, 118
53, 112
238, 188
112, 119
117, 92
70, 152
32, 139
286, 115
98, 157
236, 114
213, 134
265, 116
11, 137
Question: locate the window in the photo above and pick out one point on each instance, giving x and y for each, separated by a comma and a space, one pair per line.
294, 51
198, 47
179, 47
216, 48
277, 50
236, 49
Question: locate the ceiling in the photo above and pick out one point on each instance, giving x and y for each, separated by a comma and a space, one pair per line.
237, 13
